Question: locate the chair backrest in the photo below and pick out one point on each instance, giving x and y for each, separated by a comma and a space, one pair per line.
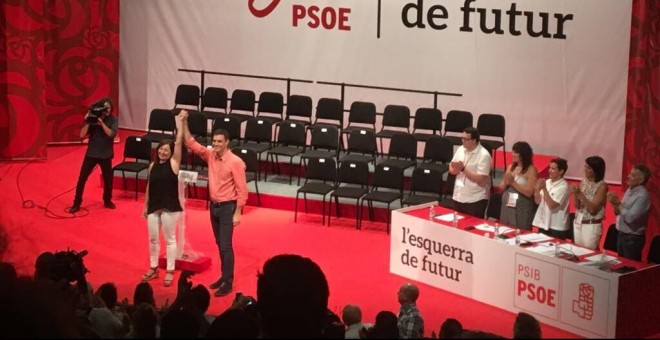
292, 133
138, 148
249, 157
390, 177
363, 141
426, 180
611, 239
330, 109
458, 120
494, 206
259, 130
271, 102
353, 172
322, 169
654, 251
490, 124
162, 120
215, 98
325, 137
428, 119
242, 100
362, 113
403, 145
197, 124
230, 124
187, 95
438, 149
299, 106
397, 116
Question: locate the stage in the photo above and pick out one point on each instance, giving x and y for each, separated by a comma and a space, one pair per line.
356, 262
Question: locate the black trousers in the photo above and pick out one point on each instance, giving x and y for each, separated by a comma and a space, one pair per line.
476, 209
86, 169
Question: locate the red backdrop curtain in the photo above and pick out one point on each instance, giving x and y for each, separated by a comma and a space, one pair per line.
56, 58
643, 107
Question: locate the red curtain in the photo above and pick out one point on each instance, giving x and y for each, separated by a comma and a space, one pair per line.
56, 58
643, 107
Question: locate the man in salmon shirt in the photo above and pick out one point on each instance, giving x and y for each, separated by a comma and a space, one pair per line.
228, 194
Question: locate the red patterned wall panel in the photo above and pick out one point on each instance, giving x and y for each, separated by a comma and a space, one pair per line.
22, 80
82, 51
643, 108
56, 58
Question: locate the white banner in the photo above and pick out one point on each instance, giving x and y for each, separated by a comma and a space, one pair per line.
556, 69
579, 299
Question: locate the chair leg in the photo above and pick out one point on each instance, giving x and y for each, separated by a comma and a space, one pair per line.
295, 216
358, 218
290, 170
388, 218
337, 206
305, 197
256, 186
323, 211
123, 179
329, 210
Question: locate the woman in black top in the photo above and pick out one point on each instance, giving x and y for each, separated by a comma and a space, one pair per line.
162, 206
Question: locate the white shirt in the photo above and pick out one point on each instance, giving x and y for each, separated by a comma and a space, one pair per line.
555, 219
479, 161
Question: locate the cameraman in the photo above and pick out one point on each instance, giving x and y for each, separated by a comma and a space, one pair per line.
101, 126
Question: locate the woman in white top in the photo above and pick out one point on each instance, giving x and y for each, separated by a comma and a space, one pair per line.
518, 206
589, 200
552, 196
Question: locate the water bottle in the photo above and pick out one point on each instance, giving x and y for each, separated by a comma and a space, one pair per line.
432, 212
517, 237
497, 230
557, 250
603, 255
454, 222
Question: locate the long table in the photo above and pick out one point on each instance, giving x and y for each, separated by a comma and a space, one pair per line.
572, 289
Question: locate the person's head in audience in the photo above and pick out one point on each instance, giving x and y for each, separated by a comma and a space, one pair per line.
145, 321
202, 297
351, 314
144, 293
594, 169
408, 294
639, 175
179, 324
521, 153
333, 328
470, 138
8, 277
450, 329
470, 334
38, 309
385, 327
292, 295
557, 168
234, 323
108, 293
43, 266
526, 327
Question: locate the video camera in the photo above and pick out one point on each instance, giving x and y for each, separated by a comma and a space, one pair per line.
96, 111
68, 265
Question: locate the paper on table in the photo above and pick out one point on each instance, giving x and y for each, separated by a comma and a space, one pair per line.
578, 251
599, 257
535, 237
544, 249
449, 217
491, 229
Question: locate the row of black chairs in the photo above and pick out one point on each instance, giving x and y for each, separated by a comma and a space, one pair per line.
362, 115
351, 180
138, 154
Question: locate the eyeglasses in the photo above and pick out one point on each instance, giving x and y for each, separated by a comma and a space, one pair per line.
466, 139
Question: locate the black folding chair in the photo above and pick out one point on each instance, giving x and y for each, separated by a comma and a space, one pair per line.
320, 180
